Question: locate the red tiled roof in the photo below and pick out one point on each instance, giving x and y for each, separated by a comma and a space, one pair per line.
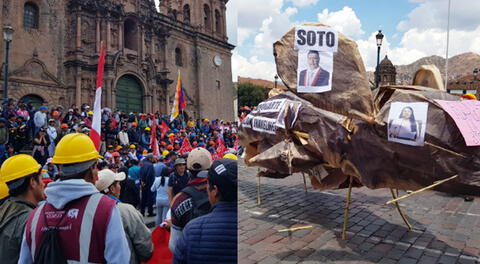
262, 83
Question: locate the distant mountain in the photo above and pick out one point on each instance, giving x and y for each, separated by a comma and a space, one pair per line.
458, 66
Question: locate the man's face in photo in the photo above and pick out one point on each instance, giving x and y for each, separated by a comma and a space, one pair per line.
313, 60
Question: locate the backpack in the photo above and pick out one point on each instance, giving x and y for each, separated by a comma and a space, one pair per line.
50, 250
201, 205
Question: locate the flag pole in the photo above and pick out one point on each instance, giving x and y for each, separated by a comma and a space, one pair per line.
448, 41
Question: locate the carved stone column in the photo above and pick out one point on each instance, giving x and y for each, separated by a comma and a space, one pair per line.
79, 30
98, 39
109, 34
78, 87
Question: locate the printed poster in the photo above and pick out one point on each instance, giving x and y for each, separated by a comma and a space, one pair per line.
407, 123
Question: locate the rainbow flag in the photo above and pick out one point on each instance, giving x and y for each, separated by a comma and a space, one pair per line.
180, 103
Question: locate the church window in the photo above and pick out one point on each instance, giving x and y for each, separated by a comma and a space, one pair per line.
186, 13
178, 57
218, 24
174, 14
30, 15
130, 31
217, 84
206, 17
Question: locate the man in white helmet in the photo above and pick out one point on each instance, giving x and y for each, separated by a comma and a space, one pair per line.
192, 201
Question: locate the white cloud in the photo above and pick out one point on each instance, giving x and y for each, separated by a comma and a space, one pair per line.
252, 67
303, 3
232, 25
272, 29
433, 14
418, 43
344, 20
242, 35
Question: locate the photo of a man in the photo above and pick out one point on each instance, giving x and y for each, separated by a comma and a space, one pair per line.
314, 75
314, 71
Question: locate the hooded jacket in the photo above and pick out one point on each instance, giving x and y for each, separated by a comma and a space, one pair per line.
13, 218
59, 194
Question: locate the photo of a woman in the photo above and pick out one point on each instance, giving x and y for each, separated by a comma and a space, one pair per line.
405, 127
407, 122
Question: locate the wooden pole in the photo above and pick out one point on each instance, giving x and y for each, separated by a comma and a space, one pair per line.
304, 183
345, 216
444, 149
258, 191
405, 220
421, 190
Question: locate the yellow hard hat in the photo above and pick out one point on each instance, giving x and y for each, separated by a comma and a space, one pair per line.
147, 129
17, 167
165, 153
75, 148
132, 146
230, 156
3, 190
90, 113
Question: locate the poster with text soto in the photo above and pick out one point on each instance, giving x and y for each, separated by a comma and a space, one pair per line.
407, 123
315, 46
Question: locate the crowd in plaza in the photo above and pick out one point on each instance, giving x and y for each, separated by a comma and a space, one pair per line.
65, 200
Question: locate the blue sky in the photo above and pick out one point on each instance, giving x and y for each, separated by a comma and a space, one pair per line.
413, 28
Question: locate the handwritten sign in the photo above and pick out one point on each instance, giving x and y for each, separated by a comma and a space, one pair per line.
466, 115
272, 106
264, 125
316, 38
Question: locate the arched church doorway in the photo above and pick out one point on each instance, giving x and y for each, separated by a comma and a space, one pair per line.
36, 100
129, 94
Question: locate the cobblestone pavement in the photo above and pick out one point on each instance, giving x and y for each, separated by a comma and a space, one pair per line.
446, 229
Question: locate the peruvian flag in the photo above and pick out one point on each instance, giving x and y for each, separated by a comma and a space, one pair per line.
97, 106
186, 147
153, 138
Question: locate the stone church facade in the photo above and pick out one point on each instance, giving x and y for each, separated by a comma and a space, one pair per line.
56, 45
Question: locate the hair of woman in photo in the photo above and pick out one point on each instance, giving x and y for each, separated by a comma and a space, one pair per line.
413, 122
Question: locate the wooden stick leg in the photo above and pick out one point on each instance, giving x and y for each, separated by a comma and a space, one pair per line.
258, 191
347, 206
409, 226
422, 190
304, 183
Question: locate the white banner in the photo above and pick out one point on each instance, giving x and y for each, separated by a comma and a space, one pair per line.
316, 38
264, 125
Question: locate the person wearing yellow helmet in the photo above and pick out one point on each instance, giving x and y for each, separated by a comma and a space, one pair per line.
78, 204
21, 175
230, 156
3, 192
145, 138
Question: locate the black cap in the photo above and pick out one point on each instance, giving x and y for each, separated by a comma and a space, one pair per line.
224, 174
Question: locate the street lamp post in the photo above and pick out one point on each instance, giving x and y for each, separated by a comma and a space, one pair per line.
276, 79
379, 37
476, 71
7, 37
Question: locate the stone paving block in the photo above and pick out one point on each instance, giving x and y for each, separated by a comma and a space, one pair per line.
467, 259
407, 261
269, 260
414, 253
427, 260
447, 260
387, 261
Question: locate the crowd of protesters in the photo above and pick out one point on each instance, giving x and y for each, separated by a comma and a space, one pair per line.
183, 172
